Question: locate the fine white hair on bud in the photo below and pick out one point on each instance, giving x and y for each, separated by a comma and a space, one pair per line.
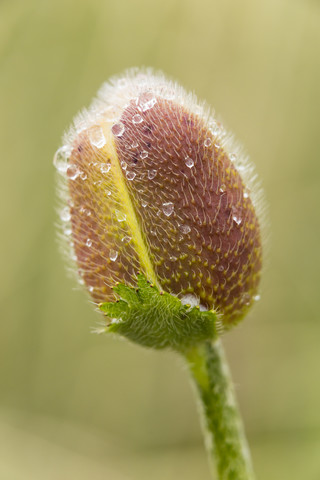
150, 181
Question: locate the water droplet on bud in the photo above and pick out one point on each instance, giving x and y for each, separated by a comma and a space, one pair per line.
121, 217
237, 219
73, 172
190, 299
152, 174
105, 167
185, 229
207, 142
149, 104
143, 154
117, 129
113, 255
216, 131
126, 239
97, 137
130, 175
189, 162
168, 208
89, 242
246, 299
137, 118
65, 214
61, 158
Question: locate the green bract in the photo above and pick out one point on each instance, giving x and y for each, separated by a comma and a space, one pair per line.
157, 319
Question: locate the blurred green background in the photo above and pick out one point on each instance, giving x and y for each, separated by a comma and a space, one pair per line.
74, 405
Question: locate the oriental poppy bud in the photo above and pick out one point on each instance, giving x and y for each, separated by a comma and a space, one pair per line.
151, 182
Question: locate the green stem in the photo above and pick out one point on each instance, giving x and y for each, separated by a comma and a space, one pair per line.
225, 439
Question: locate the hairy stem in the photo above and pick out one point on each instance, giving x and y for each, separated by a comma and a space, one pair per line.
225, 439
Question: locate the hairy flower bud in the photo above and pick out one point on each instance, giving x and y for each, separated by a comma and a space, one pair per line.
152, 183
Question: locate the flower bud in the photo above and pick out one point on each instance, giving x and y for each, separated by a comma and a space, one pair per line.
152, 183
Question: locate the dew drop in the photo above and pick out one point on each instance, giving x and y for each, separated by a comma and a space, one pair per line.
137, 118
173, 258
216, 131
144, 204
256, 298
233, 157
124, 165
222, 188
83, 176
221, 268
89, 242
149, 104
104, 168
152, 174
190, 299
67, 231
143, 154
118, 129
237, 219
97, 137
168, 208
73, 172
207, 142
134, 144
121, 217
91, 288
245, 194
185, 229
126, 239
108, 193
189, 162
65, 214
113, 255
130, 175
60, 159
246, 299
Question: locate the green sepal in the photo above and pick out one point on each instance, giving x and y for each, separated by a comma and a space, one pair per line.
157, 319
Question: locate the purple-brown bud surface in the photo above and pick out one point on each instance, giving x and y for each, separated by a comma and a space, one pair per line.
151, 182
